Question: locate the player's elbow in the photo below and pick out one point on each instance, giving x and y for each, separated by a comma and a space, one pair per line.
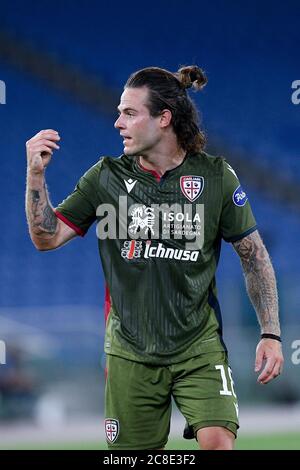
43, 245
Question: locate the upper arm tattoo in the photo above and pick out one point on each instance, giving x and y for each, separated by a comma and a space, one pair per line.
260, 280
251, 249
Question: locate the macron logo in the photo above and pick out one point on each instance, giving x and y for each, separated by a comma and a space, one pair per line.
130, 184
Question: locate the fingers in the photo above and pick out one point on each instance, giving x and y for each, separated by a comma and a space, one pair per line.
268, 350
48, 135
277, 369
40, 148
43, 141
272, 369
41, 136
267, 373
259, 359
47, 132
44, 148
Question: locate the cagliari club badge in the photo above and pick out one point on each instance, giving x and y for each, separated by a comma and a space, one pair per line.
112, 429
191, 186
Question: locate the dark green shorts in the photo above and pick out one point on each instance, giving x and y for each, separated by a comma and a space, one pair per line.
138, 399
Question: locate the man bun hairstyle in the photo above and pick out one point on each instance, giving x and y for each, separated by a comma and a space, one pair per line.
167, 90
191, 76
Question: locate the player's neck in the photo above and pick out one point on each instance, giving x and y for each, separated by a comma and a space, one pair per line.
163, 160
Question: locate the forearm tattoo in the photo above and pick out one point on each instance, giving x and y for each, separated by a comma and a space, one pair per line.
260, 281
41, 218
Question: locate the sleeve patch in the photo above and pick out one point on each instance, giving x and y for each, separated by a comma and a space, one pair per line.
239, 197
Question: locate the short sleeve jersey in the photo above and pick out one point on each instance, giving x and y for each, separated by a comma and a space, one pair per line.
159, 243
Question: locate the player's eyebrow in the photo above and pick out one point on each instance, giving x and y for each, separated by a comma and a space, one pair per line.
126, 109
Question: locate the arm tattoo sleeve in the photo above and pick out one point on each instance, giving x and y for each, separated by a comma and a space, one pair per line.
260, 281
42, 220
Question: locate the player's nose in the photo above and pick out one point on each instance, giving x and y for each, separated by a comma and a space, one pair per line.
119, 124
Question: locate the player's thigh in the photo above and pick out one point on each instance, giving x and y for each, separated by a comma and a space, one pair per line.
204, 392
137, 404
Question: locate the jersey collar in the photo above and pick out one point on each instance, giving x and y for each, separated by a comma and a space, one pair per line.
158, 177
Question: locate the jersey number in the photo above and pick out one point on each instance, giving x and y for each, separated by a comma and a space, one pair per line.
225, 390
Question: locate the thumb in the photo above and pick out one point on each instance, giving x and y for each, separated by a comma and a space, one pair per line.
259, 359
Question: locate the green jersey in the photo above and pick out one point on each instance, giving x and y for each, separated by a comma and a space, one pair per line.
159, 243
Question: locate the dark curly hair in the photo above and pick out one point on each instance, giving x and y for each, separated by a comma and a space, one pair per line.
167, 90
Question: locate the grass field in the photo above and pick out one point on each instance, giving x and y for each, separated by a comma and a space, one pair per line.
287, 441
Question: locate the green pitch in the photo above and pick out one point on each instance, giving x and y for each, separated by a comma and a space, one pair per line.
288, 441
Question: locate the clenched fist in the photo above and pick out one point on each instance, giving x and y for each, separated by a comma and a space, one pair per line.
40, 150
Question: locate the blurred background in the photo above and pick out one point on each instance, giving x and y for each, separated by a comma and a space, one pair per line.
64, 64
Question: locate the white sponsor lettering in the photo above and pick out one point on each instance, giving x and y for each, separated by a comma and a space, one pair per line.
169, 253
180, 217
155, 222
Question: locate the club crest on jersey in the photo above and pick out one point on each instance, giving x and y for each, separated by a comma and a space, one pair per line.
111, 429
191, 186
239, 197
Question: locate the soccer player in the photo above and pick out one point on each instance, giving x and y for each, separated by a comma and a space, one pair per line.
162, 209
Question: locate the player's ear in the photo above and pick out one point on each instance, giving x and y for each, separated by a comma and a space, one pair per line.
165, 118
